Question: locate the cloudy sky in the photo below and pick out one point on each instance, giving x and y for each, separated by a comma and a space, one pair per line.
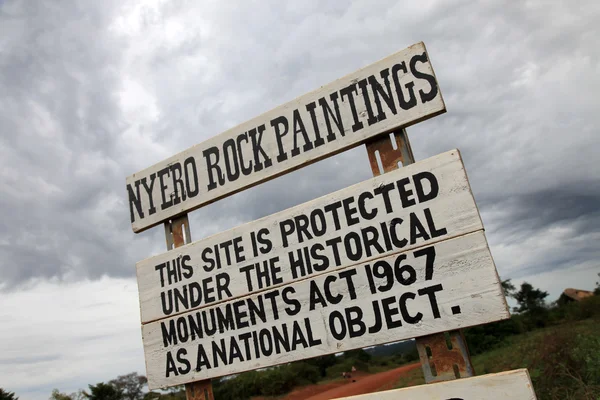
93, 91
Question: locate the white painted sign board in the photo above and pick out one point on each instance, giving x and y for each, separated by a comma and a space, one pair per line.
413, 206
449, 285
510, 385
395, 92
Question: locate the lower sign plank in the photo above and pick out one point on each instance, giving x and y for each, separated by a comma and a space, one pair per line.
449, 285
510, 385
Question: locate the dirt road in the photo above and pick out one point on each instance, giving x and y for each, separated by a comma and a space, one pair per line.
364, 384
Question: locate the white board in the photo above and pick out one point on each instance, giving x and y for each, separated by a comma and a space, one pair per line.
397, 91
448, 212
449, 285
510, 385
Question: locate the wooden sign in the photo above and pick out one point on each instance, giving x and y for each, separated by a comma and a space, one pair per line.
414, 206
395, 92
449, 285
510, 385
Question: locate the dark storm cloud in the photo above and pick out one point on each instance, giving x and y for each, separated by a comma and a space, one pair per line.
59, 125
562, 224
93, 93
541, 210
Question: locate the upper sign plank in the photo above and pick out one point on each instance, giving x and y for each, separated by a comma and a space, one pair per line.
413, 206
510, 385
395, 92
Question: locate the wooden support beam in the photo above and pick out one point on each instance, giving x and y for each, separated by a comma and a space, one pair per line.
449, 358
177, 234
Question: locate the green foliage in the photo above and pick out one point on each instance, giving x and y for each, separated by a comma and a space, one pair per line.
357, 354
381, 361
389, 350
565, 364
597, 290
282, 379
174, 393
322, 363
304, 373
586, 351
104, 391
577, 310
563, 360
530, 299
484, 337
389, 356
412, 355
508, 288
124, 387
346, 365
131, 385
270, 382
57, 395
240, 387
335, 371
6, 395
277, 381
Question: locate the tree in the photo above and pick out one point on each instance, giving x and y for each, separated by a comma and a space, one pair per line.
104, 391
6, 395
530, 299
57, 395
357, 354
322, 363
597, 290
131, 385
508, 287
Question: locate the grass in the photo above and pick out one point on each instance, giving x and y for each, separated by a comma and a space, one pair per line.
563, 361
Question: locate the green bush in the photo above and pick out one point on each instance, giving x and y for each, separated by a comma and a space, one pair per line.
566, 367
412, 355
335, 371
357, 354
346, 365
586, 352
485, 337
586, 308
277, 381
322, 363
304, 373
241, 387
270, 382
381, 361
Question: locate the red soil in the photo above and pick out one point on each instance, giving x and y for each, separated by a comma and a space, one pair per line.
365, 383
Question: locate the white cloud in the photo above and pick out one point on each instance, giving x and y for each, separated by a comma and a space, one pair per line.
66, 335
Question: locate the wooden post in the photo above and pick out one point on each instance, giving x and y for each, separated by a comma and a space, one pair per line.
449, 358
177, 233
